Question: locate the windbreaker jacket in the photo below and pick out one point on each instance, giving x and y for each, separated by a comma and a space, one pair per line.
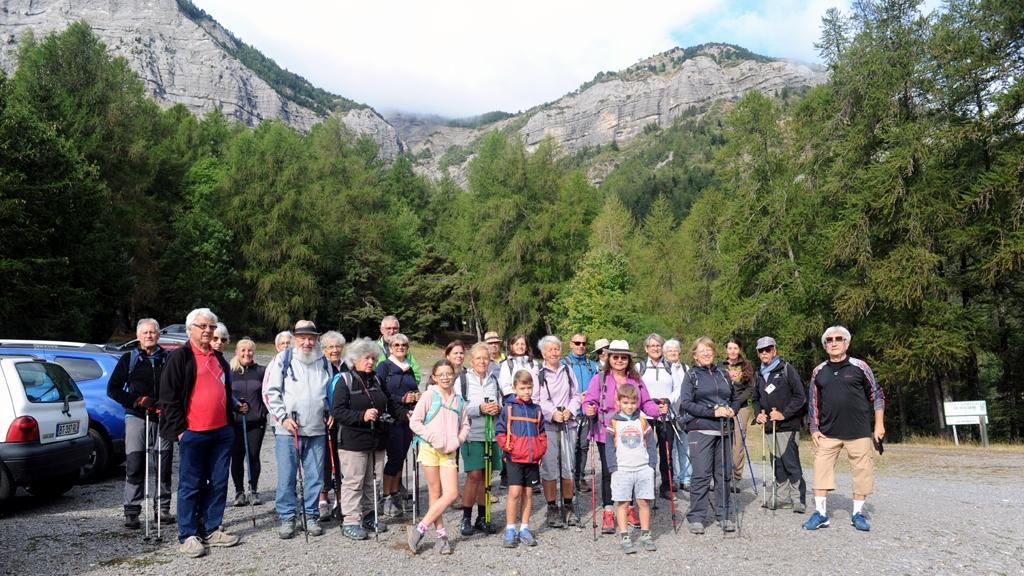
601, 395
786, 394
126, 389
248, 385
557, 388
302, 390
350, 404
703, 389
520, 431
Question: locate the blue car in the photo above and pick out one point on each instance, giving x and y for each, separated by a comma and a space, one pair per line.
90, 366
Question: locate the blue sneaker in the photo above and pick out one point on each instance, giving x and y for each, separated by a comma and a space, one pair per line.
511, 538
817, 520
860, 522
526, 537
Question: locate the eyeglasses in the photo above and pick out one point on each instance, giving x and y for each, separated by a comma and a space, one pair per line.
834, 339
397, 345
584, 343
205, 327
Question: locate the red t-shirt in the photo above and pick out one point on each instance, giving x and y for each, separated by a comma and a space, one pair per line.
208, 404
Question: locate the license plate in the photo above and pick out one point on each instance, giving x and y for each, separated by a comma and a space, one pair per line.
67, 429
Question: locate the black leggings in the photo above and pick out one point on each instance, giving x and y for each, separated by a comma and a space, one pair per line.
255, 439
606, 477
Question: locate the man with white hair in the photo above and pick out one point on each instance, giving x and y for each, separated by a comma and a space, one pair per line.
196, 408
846, 409
296, 397
135, 384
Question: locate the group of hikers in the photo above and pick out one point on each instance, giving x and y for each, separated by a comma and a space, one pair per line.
350, 419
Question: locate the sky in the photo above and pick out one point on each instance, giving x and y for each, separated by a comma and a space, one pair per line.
459, 58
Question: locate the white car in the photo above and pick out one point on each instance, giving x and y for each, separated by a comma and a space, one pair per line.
44, 428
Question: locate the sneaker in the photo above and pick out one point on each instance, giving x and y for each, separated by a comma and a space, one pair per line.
607, 522
466, 527
799, 507
314, 528
166, 517
369, 525
390, 507
412, 537
583, 486
132, 521
728, 525
526, 537
860, 522
696, 528
494, 498
485, 527
647, 543
354, 532
324, 508
192, 547
569, 516
287, 529
254, 498
627, 544
816, 521
444, 546
510, 539
221, 539
240, 499
555, 519
632, 518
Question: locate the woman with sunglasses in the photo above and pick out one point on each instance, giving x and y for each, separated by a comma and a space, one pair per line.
397, 376
600, 402
221, 338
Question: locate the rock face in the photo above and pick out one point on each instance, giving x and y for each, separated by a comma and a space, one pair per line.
180, 61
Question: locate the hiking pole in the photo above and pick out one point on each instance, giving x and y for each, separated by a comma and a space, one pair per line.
764, 468
593, 478
488, 466
415, 481
750, 465
159, 475
373, 464
726, 477
671, 489
301, 485
248, 464
146, 503
558, 475
775, 484
335, 480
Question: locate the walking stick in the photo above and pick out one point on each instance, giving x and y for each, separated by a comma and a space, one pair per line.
726, 477
671, 489
775, 484
335, 479
488, 466
146, 503
301, 485
373, 465
750, 465
764, 468
593, 478
159, 475
415, 481
248, 464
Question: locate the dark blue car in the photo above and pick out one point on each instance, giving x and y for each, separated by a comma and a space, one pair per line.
90, 366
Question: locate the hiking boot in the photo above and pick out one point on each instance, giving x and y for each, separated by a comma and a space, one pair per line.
569, 516
354, 532
486, 527
728, 525
132, 521
369, 525
785, 503
647, 543
444, 546
412, 537
526, 537
632, 518
221, 539
860, 522
240, 499
510, 539
287, 529
799, 507
607, 522
390, 507
324, 508
555, 519
668, 495
192, 547
582, 486
696, 528
817, 520
466, 527
254, 498
736, 488
314, 528
494, 498
166, 517
627, 544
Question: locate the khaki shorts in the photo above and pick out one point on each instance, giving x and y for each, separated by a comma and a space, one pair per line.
860, 453
431, 457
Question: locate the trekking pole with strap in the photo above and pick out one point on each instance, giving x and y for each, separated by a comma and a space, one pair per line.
373, 465
593, 477
335, 478
671, 489
750, 465
488, 466
248, 464
415, 482
558, 475
301, 484
146, 502
726, 476
775, 484
764, 469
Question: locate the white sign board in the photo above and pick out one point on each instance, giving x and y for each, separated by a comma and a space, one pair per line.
963, 420
970, 408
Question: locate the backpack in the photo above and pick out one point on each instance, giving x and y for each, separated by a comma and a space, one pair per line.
435, 407
133, 361
286, 365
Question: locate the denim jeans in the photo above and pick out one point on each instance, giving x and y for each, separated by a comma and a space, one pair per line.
313, 449
681, 468
203, 480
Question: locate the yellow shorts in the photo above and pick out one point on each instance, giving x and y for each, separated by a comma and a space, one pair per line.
431, 457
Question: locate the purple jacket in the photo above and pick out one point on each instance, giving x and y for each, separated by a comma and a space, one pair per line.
557, 388
608, 387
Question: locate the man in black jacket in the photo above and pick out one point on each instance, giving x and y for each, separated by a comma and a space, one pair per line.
780, 396
196, 404
134, 384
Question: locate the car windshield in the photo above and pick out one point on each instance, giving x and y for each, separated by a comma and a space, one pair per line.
47, 383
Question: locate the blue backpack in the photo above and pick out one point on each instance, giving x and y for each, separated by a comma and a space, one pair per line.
435, 407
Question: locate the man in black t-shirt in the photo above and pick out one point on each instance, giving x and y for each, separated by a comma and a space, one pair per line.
845, 410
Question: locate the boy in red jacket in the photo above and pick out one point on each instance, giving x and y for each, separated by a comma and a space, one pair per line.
520, 433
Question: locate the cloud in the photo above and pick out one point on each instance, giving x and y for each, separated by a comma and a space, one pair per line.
459, 57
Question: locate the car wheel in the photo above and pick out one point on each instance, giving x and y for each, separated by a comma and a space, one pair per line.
99, 459
53, 488
7, 487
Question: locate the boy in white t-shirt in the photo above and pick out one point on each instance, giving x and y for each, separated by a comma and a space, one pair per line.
632, 455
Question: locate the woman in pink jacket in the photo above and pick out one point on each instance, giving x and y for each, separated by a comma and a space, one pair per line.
600, 400
441, 423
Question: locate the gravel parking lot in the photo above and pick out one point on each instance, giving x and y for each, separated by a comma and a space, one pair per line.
936, 511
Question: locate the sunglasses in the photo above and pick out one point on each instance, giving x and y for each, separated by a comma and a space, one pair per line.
399, 345
619, 357
583, 343
834, 339
763, 350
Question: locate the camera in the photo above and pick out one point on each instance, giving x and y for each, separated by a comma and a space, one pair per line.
488, 400
386, 418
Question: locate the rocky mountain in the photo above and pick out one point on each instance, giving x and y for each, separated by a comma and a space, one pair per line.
185, 57
615, 106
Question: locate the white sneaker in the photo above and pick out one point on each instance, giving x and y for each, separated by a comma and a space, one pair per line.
192, 547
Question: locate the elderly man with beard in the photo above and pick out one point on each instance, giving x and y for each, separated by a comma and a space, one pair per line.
296, 397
